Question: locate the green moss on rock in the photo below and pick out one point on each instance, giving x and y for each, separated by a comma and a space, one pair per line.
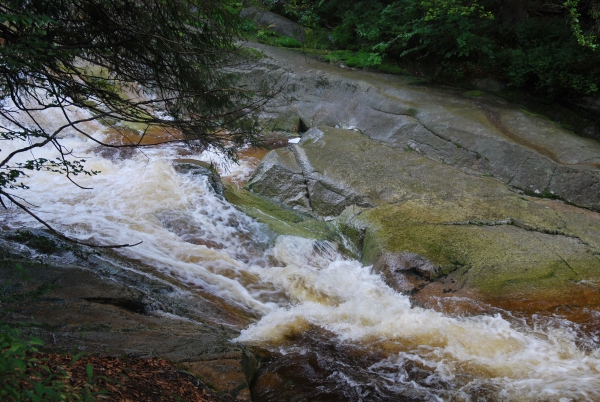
506, 257
279, 218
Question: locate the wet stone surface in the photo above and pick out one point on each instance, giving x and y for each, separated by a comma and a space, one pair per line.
101, 309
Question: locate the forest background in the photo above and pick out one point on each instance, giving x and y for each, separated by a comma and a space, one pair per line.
546, 47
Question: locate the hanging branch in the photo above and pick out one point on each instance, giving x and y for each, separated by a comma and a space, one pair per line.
122, 60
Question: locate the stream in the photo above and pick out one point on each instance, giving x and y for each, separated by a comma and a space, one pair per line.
326, 327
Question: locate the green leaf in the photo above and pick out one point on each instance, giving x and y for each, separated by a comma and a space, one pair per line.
90, 372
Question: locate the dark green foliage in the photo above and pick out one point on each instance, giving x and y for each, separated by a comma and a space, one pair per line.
27, 378
272, 38
289, 42
338, 55
551, 49
391, 68
403, 28
359, 59
297, 10
13, 365
343, 37
268, 37
546, 57
317, 38
174, 50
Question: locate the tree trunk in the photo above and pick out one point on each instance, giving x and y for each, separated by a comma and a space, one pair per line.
513, 12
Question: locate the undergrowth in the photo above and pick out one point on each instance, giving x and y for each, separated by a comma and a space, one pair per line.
25, 377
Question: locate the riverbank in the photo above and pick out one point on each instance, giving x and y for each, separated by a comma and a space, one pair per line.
97, 308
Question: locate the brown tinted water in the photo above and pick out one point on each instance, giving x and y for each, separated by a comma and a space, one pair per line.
327, 327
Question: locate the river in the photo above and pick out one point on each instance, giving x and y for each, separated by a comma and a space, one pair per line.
326, 326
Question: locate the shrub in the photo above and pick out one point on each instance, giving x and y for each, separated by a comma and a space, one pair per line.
361, 59
338, 55
343, 36
318, 38
286, 41
546, 58
26, 378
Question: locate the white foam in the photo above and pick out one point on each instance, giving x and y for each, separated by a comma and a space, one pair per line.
346, 299
144, 199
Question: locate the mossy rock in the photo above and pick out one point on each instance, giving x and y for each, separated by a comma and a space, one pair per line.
286, 41
509, 248
286, 122
474, 93
279, 218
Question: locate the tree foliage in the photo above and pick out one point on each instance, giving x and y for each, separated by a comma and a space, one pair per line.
545, 46
158, 63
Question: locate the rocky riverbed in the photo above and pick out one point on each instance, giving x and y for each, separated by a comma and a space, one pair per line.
446, 194
396, 196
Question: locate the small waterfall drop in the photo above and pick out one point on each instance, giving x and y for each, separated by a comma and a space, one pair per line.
310, 302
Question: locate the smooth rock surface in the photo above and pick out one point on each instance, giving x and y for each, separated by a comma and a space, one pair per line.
274, 22
480, 135
279, 177
95, 307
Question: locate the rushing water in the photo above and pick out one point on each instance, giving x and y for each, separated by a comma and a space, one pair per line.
328, 327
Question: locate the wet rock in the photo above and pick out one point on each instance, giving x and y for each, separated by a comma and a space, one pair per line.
274, 22
405, 272
328, 199
279, 177
107, 310
115, 153
408, 262
424, 219
481, 135
581, 187
200, 168
133, 305
445, 176
281, 219
290, 177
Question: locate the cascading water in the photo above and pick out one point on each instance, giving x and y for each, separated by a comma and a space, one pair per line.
333, 328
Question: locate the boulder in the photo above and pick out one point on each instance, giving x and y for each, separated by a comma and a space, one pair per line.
404, 272
274, 22
280, 178
77, 300
200, 168
288, 176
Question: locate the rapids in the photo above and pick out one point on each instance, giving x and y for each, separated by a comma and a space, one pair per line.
331, 328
